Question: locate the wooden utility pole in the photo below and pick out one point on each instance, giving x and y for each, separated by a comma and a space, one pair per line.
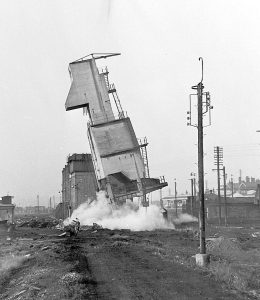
203, 107
225, 194
175, 197
161, 201
201, 169
38, 204
218, 156
192, 196
232, 186
219, 197
195, 189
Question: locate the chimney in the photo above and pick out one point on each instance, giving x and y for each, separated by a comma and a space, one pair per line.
240, 176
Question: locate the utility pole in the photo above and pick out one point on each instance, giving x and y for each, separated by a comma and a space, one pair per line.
38, 204
203, 107
225, 194
195, 189
192, 196
161, 201
175, 197
201, 169
218, 156
232, 186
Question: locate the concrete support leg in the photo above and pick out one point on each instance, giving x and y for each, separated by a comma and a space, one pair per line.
202, 259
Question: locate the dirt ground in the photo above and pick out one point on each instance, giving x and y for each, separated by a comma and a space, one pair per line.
119, 264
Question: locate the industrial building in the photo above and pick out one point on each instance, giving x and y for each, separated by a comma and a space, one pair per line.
79, 183
120, 159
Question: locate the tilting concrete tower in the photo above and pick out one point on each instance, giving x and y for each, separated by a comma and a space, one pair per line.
119, 158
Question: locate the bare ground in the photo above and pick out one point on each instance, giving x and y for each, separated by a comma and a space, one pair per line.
106, 264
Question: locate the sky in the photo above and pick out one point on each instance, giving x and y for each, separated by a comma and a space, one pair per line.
160, 43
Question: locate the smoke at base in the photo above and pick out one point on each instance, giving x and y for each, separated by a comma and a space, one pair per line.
185, 218
127, 216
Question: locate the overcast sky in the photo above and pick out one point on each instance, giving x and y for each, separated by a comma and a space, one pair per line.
160, 42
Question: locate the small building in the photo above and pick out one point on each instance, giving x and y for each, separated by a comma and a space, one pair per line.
171, 202
6, 209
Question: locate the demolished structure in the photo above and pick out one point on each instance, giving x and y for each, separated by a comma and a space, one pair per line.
119, 158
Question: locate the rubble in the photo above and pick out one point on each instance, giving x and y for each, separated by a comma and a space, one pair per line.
256, 234
96, 226
36, 222
70, 278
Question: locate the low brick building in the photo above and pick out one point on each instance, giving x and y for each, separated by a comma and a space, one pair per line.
238, 208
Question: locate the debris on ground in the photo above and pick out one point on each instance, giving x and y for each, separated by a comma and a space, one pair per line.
256, 234
62, 234
120, 237
96, 226
37, 222
85, 227
121, 264
72, 227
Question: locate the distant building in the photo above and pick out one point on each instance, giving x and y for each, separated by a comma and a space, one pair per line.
32, 210
6, 209
245, 187
79, 183
170, 201
240, 208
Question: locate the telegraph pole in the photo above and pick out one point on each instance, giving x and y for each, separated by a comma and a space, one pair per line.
201, 169
192, 196
194, 191
218, 156
225, 194
161, 200
232, 186
203, 107
175, 197
38, 204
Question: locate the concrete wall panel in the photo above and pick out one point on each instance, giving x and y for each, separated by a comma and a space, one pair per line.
130, 164
88, 87
114, 137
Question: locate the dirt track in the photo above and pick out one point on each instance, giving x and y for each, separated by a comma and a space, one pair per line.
106, 264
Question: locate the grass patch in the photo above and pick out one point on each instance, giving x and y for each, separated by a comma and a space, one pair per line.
237, 268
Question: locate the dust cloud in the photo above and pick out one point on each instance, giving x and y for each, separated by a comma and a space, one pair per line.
184, 218
11, 262
127, 216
